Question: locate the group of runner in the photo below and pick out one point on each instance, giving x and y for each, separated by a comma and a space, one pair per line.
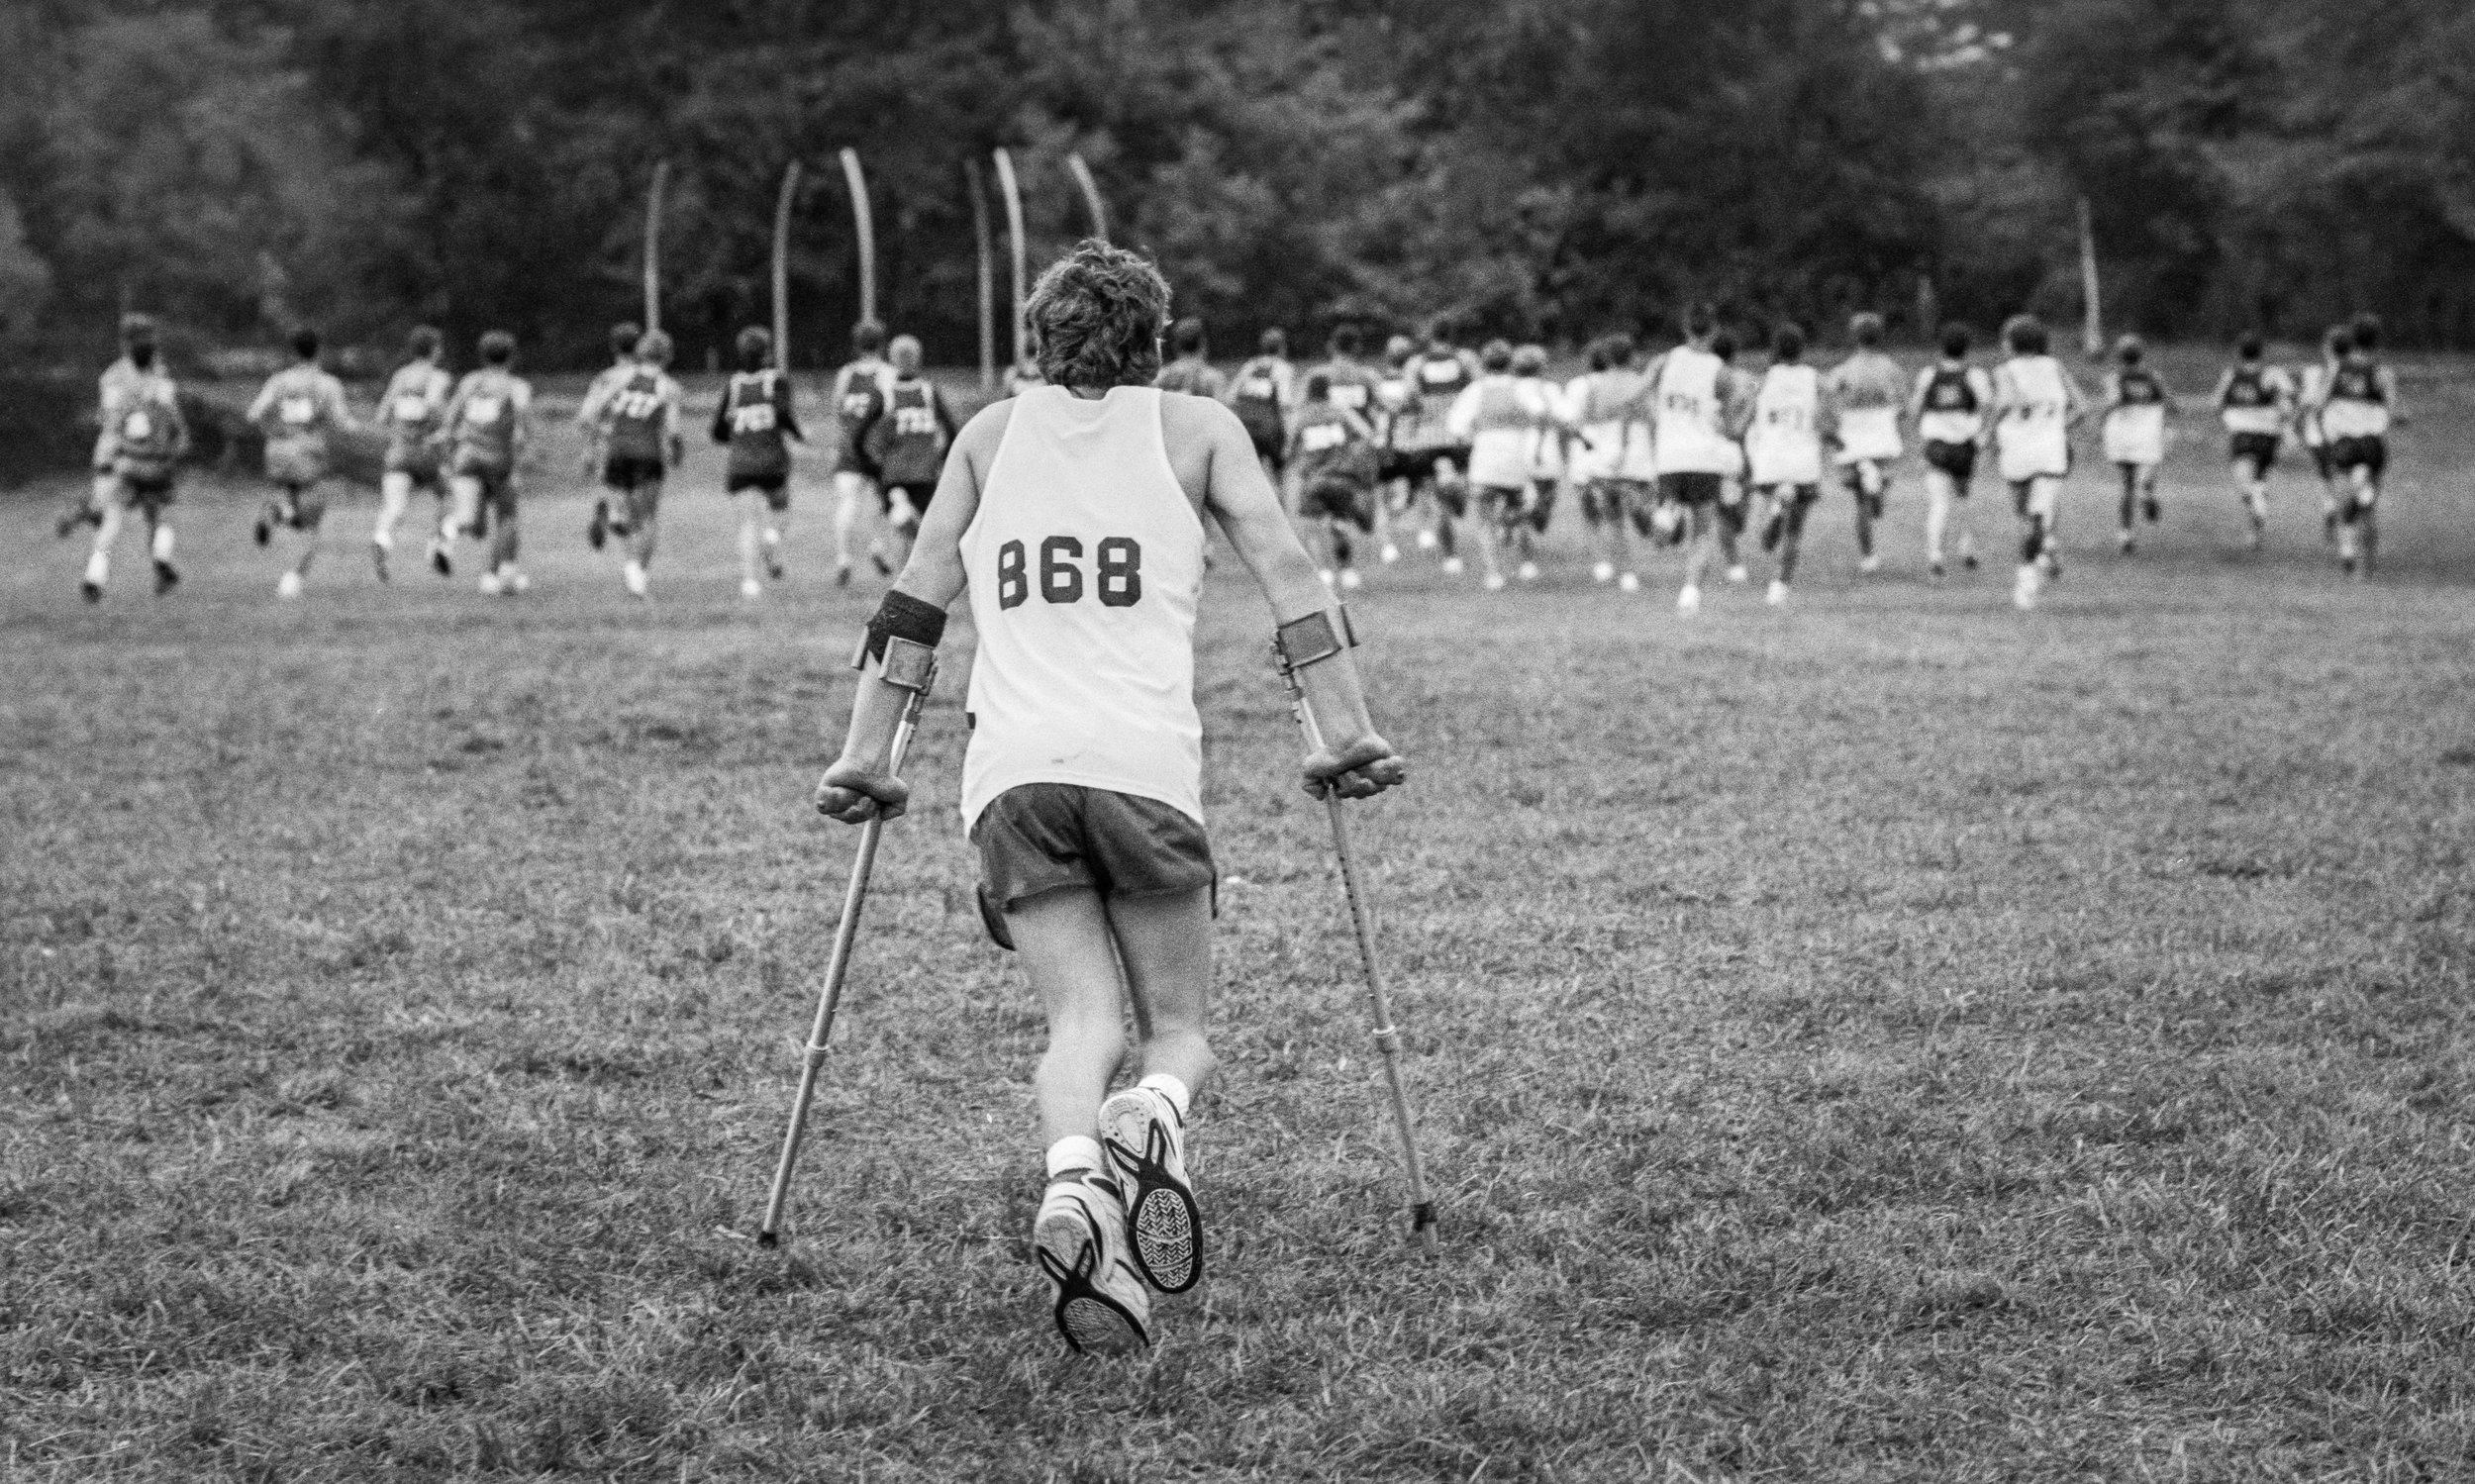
1452, 449
465, 441
1689, 448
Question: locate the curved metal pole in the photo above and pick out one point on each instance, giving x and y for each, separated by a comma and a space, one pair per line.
1091, 195
865, 221
782, 266
988, 270
1013, 189
653, 247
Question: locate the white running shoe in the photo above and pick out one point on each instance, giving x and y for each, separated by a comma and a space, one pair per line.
516, 582
751, 589
1145, 1145
1391, 554
634, 576
2024, 591
1628, 583
289, 585
1869, 565
1427, 539
1452, 566
1529, 571
1351, 581
489, 584
1079, 1241
1325, 574
1494, 582
1689, 601
1778, 593
1603, 571
1738, 574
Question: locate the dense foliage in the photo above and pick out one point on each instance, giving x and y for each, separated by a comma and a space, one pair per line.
1541, 166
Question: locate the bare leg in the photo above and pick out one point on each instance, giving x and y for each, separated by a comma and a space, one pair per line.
1089, 961
751, 510
107, 532
1939, 501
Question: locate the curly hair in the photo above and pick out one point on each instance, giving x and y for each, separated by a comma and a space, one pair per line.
1096, 316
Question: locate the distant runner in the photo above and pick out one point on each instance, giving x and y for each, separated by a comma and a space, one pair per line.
2133, 433
757, 421
1951, 404
299, 409
2257, 402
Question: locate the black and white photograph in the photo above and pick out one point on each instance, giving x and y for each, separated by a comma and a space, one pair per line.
1081, 742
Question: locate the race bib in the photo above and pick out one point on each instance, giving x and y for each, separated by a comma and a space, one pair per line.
756, 416
299, 412
484, 409
1321, 437
138, 427
412, 408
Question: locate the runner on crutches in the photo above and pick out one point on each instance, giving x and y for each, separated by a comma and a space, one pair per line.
1073, 514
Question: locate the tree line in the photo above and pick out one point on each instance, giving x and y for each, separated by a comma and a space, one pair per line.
1544, 168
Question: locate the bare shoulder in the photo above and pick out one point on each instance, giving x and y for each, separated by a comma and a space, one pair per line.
1187, 419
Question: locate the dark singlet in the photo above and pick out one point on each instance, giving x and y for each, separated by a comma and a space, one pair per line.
636, 421
2141, 387
1950, 391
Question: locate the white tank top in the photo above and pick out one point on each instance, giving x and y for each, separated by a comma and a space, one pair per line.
1084, 564
1784, 444
1689, 437
2036, 439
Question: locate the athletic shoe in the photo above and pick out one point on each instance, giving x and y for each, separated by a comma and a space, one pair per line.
1494, 582
597, 530
378, 559
1079, 1241
166, 577
1628, 583
90, 589
2150, 510
1738, 574
1603, 571
1969, 561
489, 584
1145, 1145
512, 580
751, 589
2130, 546
1529, 571
1778, 593
1452, 566
773, 560
1933, 569
841, 575
290, 586
1325, 574
1689, 601
1391, 554
1428, 541
1869, 565
633, 574
1351, 581
262, 532
439, 561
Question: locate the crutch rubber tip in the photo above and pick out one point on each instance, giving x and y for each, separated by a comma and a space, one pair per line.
768, 1240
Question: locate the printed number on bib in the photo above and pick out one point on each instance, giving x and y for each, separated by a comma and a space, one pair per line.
1347, 394
636, 406
300, 412
858, 404
1117, 572
915, 422
1322, 436
483, 409
412, 408
138, 427
756, 416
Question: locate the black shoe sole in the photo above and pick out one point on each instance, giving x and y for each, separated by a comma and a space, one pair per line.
1162, 1223
166, 578
1089, 1320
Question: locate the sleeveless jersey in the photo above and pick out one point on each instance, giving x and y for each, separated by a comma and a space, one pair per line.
640, 414
1257, 396
908, 439
1608, 411
2254, 399
756, 418
2357, 404
1329, 449
145, 426
1499, 418
1954, 405
859, 397
2035, 429
1352, 386
492, 403
1436, 384
1084, 564
2135, 430
1784, 444
1690, 438
413, 404
1866, 387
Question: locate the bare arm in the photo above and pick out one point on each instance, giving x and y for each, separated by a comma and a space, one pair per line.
2389, 391
262, 404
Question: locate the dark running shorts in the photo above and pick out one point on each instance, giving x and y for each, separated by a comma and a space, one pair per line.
1339, 500
628, 473
2259, 449
302, 508
1605, 502
1038, 838
2360, 453
776, 488
1690, 489
918, 494
148, 493
1402, 464
1959, 461
498, 490
424, 467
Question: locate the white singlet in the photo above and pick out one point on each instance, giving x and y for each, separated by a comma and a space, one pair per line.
1499, 418
2135, 434
1784, 444
2034, 434
1688, 412
1618, 446
1085, 561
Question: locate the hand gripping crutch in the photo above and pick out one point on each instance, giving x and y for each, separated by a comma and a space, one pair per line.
1296, 646
912, 667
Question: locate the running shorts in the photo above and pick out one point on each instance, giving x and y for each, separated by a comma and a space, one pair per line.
2259, 449
498, 490
776, 487
303, 508
1039, 837
422, 464
1404, 464
1959, 461
1339, 500
1604, 502
2368, 453
145, 493
1690, 488
627, 472
918, 494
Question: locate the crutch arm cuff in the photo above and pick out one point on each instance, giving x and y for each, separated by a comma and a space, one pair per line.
902, 619
1316, 637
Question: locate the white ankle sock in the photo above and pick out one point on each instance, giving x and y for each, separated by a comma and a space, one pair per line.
1075, 1152
163, 543
1170, 1088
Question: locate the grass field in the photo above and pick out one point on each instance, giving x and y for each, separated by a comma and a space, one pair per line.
1893, 1037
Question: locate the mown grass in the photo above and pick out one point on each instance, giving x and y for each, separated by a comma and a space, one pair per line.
1891, 1039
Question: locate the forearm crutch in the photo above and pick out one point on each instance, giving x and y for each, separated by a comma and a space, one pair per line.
1298, 644
911, 668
